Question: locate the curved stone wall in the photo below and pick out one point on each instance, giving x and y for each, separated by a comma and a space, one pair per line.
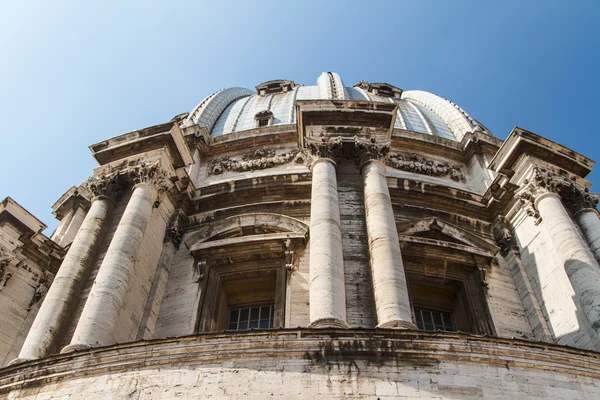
312, 363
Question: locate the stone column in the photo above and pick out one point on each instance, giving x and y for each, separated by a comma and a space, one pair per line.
66, 288
545, 189
387, 270
588, 221
97, 324
327, 286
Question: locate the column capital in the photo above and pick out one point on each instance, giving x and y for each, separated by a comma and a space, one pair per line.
370, 150
109, 185
325, 147
543, 182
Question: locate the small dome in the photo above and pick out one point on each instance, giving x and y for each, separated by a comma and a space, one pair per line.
235, 109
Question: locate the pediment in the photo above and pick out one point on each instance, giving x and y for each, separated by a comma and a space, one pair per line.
248, 225
434, 229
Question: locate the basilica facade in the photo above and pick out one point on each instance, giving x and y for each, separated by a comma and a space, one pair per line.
320, 241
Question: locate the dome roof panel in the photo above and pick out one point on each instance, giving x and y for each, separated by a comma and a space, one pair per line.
235, 109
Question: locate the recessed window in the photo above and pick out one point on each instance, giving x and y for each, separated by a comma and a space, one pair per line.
263, 118
257, 317
428, 320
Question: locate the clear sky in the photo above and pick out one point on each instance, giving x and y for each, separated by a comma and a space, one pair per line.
73, 73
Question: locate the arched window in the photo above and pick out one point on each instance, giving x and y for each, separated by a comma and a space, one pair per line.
263, 118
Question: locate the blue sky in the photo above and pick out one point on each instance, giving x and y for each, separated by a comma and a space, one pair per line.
75, 73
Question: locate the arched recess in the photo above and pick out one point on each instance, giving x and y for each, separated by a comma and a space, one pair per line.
242, 264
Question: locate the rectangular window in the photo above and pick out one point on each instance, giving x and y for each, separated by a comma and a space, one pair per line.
257, 317
263, 122
434, 321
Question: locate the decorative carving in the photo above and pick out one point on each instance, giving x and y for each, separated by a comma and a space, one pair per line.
370, 150
324, 147
289, 255
502, 234
5, 259
574, 196
174, 231
259, 159
110, 185
421, 165
151, 174
199, 271
40, 291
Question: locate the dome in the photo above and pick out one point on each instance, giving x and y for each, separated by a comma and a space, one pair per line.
236, 109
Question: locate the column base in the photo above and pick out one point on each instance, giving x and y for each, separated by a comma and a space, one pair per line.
398, 324
75, 347
329, 323
20, 360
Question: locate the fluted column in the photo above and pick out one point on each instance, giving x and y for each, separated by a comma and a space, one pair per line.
98, 322
387, 270
582, 268
66, 287
327, 287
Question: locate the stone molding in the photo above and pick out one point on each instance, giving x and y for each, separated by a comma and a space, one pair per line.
574, 196
256, 160
418, 164
321, 345
370, 150
324, 147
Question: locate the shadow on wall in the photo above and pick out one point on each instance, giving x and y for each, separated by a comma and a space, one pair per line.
557, 298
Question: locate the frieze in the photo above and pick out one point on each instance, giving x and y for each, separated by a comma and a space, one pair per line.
417, 164
256, 160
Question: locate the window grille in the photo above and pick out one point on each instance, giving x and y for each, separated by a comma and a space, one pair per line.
257, 317
434, 320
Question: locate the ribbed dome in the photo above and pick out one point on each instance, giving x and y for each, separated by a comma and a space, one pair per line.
234, 109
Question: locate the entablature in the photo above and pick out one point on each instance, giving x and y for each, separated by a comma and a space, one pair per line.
144, 140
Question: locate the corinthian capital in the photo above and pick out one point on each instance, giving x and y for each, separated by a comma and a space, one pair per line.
151, 174
574, 195
324, 147
369, 149
110, 185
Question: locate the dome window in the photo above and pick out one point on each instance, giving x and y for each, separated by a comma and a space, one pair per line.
263, 118
276, 86
380, 89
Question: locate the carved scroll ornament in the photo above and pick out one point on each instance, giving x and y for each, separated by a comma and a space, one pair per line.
259, 159
421, 165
